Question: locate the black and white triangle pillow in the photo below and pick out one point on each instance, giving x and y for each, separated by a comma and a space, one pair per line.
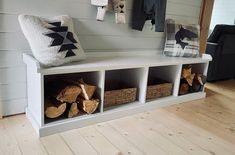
53, 42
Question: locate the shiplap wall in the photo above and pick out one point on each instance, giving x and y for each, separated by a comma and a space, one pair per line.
223, 13
94, 36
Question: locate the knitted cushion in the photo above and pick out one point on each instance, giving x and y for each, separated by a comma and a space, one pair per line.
53, 42
182, 40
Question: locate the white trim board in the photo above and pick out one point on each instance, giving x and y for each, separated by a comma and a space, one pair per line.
114, 62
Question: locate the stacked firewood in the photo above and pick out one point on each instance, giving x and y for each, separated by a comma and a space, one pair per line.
69, 97
191, 82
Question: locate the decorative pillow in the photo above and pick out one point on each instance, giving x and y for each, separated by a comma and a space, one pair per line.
53, 42
181, 40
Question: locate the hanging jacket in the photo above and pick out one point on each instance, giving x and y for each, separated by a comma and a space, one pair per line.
154, 10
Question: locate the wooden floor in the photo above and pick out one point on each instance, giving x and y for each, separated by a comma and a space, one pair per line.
202, 127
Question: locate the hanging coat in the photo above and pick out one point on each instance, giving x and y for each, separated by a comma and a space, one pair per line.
154, 10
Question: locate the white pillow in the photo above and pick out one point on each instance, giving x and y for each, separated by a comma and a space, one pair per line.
53, 42
182, 39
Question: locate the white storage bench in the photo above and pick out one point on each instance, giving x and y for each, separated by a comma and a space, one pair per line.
137, 70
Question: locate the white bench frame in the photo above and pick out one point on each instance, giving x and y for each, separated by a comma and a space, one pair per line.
35, 87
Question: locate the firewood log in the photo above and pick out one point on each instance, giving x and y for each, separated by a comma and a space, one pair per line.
187, 71
54, 108
69, 94
73, 110
187, 75
87, 89
63, 92
184, 88
200, 78
190, 78
196, 87
89, 106
198, 83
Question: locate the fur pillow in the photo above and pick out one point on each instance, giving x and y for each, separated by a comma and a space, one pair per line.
53, 42
182, 39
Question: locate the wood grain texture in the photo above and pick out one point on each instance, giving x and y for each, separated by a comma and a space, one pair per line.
98, 141
77, 143
8, 144
205, 20
204, 127
26, 138
119, 141
55, 145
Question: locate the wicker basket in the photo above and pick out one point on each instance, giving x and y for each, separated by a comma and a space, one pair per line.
119, 94
158, 88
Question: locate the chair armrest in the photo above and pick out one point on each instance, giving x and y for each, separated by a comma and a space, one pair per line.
210, 43
211, 48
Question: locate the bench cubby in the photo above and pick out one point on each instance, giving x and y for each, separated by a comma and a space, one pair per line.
126, 83
164, 76
200, 68
135, 71
93, 78
197, 69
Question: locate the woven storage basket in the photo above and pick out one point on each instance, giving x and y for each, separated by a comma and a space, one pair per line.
158, 88
119, 94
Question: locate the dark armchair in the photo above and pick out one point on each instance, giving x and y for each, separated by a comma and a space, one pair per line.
221, 46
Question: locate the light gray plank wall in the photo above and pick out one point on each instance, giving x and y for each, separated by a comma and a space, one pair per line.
94, 36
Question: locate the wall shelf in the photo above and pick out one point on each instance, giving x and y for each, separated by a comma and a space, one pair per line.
98, 71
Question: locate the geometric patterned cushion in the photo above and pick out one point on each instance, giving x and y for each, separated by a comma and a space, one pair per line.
53, 42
